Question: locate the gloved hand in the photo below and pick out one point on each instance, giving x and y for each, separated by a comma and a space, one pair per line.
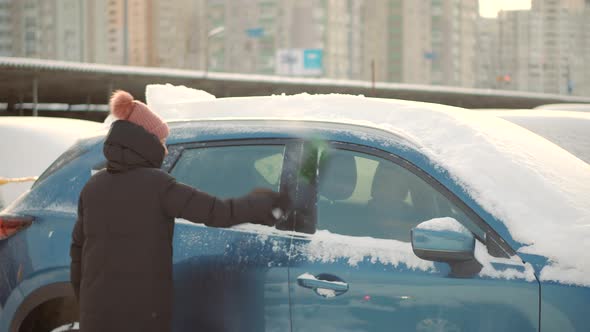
267, 206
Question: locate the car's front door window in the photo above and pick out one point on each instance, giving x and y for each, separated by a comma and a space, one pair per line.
365, 195
231, 171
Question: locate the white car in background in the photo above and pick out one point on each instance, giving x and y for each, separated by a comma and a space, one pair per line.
565, 107
568, 129
28, 145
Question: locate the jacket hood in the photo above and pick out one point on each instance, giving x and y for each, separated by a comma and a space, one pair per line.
129, 146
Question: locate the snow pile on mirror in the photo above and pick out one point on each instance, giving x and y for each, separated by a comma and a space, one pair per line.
537, 189
493, 267
443, 224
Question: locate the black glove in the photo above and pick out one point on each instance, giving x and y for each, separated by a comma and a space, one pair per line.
258, 206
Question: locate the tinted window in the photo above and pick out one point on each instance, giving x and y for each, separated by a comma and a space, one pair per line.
230, 171
364, 195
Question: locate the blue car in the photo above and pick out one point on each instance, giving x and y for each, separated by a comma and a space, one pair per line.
385, 233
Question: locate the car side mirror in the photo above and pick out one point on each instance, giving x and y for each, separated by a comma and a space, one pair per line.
446, 240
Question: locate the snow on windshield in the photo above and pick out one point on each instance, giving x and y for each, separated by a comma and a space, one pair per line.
31, 144
537, 189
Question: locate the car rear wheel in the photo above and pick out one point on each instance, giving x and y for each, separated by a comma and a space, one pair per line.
55, 315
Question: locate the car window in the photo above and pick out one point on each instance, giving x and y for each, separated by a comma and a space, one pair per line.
231, 171
365, 195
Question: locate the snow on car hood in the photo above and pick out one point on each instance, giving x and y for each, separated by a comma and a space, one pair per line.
538, 190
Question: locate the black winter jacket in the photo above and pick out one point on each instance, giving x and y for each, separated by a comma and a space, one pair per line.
121, 248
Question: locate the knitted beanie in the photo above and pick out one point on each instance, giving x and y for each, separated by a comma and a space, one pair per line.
124, 107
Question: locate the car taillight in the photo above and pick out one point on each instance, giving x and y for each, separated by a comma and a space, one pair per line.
10, 224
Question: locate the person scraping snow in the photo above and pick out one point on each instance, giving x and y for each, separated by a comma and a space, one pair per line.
121, 250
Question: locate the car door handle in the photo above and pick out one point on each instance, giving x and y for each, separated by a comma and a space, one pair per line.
333, 283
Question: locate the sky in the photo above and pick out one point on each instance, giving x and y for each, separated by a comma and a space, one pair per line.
490, 8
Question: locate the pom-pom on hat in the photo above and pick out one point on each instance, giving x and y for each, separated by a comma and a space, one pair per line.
124, 107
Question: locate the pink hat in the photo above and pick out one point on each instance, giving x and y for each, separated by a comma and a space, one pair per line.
123, 107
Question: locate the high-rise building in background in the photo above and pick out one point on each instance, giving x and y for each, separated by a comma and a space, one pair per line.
375, 46
585, 84
242, 35
486, 59
561, 35
442, 42
542, 49
454, 28
356, 38
415, 40
337, 39
26, 29
66, 21
139, 27
517, 50
100, 42
178, 33
391, 41
300, 27
51, 29
6, 22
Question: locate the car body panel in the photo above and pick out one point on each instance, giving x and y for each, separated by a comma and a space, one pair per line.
411, 300
564, 308
237, 272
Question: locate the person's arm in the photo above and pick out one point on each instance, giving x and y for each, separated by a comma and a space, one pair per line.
182, 201
76, 251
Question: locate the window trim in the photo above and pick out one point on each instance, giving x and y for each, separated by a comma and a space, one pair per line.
496, 246
175, 150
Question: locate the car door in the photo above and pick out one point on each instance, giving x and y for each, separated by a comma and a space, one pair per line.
358, 271
232, 279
